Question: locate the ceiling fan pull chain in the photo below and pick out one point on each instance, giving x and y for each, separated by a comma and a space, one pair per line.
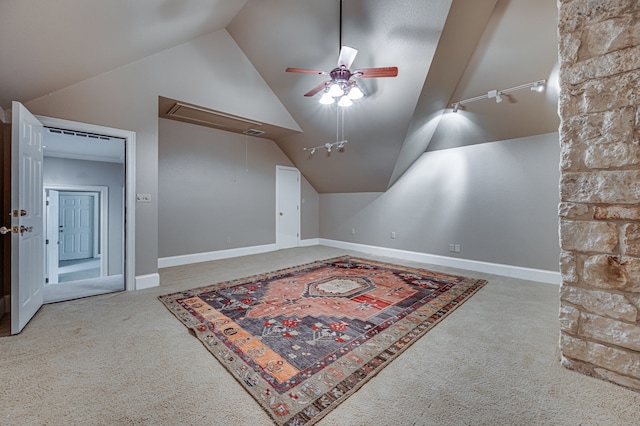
337, 123
342, 138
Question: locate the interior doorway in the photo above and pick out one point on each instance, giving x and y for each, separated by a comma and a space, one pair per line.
85, 253
71, 253
27, 260
287, 207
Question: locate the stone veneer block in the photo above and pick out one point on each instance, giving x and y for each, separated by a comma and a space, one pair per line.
588, 236
612, 272
573, 211
616, 213
613, 359
607, 330
602, 303
604, 66
631, 240
600, 95
605, 186
606, 156
599, 128
569, 317
568, 267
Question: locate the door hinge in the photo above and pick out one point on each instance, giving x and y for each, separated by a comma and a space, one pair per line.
46, 241
46, 280
47, 202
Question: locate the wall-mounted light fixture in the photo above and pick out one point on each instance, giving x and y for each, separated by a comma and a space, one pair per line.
536, 86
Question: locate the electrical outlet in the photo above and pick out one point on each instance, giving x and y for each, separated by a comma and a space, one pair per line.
452, 248
143, 198
228, 240
457, 248
353, 231
393, 235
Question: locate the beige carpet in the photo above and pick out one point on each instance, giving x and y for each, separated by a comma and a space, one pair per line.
123, 359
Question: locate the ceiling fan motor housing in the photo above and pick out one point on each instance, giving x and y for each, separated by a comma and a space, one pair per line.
340, 74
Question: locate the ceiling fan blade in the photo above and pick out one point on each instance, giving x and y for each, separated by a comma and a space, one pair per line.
306, 71
376, 72
318, 88
347, 55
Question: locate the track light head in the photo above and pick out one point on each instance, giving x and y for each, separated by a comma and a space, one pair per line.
538, 86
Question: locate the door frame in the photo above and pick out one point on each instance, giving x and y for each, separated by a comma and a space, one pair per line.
129, 190
103, 229
279, 243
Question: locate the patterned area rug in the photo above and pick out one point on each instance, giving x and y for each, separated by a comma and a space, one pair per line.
301, 340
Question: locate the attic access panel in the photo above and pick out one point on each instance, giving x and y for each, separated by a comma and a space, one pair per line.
194, 114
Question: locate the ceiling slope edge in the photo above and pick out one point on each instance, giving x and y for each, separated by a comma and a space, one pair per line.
465, 24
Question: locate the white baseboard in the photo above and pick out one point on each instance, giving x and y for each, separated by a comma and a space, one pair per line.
166, 262
539, 275
147, 281
310, 242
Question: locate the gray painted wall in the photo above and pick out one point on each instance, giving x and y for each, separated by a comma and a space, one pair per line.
497, 200
210, 71
215, 185
64, 171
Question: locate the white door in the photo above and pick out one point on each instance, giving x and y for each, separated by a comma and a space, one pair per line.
287, 207
53, 241
76, 226
27, 245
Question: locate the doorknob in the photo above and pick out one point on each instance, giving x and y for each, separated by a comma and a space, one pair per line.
4, 230
24, 229
281, 213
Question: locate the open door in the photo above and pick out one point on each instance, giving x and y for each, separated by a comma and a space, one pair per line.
27, 220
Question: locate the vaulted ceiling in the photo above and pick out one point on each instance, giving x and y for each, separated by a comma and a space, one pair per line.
445, 50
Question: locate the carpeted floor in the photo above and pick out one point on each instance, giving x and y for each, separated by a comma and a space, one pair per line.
123, 359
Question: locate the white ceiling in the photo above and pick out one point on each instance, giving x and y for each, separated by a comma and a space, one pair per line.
443, 54
83, 146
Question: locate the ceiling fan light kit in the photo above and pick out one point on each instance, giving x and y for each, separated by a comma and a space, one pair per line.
341, 85
536, 86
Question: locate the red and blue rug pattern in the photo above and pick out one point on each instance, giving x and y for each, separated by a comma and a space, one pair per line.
302, 339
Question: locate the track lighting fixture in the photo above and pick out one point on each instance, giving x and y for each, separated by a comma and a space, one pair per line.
536, 86
339, 145
340, 140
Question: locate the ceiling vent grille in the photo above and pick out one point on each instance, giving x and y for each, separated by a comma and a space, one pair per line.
253, 132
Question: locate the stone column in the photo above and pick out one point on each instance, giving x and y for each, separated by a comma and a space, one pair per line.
599, 52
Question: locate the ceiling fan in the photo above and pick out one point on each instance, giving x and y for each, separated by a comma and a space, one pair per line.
341, 84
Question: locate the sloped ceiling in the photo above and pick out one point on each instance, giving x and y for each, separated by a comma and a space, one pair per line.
49, 45
446, 50
305, 34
